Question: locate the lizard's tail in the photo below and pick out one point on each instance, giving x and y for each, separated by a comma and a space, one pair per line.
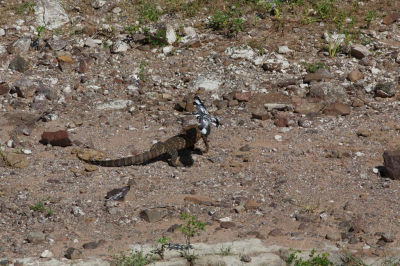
126, 161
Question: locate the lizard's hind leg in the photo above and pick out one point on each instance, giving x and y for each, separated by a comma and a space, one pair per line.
174, 157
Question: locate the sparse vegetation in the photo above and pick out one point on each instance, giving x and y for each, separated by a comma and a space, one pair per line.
39, 31
135, 258
39, 207
164, 241
190, 228
142, 71
26, 6
312, 67
319, 260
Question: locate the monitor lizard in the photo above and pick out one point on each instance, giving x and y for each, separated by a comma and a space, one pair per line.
185, 140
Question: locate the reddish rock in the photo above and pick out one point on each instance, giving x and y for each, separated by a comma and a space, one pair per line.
201, 200
261, 116
281, 122
337, 109
355, 75
65, 58
83, 66
228, 225
4, 88
390, 18
391, 162
57, 138
243, 96
251, 205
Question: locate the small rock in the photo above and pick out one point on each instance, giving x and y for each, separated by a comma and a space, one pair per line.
19, 46
4, 88
119, 46
15, 160
307, 108
276, 232
153, 215
251, 205
391, 162
90, 245
73, 254
57, 138
19, 63
333, 236
389, 236
243, 96
390, 18
359, 51
355, 75
305, 218
284, 50
36, 237
227, 225
201, 200
312, 77
281, 122
83, 66
336, 109
245, 258
46, 254
245, 148
385, 89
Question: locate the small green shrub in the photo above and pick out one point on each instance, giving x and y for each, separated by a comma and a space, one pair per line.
190, 228
311, 68
164, 241
39, 207
135, 258
27, 6
319, 260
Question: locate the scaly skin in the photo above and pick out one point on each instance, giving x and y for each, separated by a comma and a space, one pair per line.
187, 139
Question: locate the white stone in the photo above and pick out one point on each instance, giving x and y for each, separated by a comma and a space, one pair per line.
284, 50
27, 152
46, 254
225, 219
90, 43
245, 52
2, 32
167, 49
117, 10
189, 31
209, 82
50, 13
375, 71
278, 137
119, 47
170, 34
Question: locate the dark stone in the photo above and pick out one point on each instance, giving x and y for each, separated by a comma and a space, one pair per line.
19, 63
90, 245
385, 89
245, 148
173, 228
281, 122
311, 77
4, 88
227, 225
153, 215
57, 138
276, 232
391, 162
73, 254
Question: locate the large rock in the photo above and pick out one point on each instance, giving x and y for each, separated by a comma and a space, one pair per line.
385, 89
19, 63
153, 215
19, 46
50, 13
391, 162
57, 138
336, 109
329, 92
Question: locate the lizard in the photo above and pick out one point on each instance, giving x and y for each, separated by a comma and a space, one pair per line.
185, 140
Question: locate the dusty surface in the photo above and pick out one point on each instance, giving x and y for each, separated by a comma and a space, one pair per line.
316, 179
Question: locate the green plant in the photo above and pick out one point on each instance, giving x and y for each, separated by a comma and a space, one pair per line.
131, 28
142, 67
324, 8
236, 26
190, 228
39, 30
370, 17
159, 38
219, 21
149, 10
311, 68
136, 258
22, 8
319, 260
39, 206
225, 251
164, 241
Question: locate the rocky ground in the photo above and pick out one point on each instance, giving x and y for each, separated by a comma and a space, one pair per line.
296, 163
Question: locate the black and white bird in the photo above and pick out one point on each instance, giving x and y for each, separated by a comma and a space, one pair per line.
204, 118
